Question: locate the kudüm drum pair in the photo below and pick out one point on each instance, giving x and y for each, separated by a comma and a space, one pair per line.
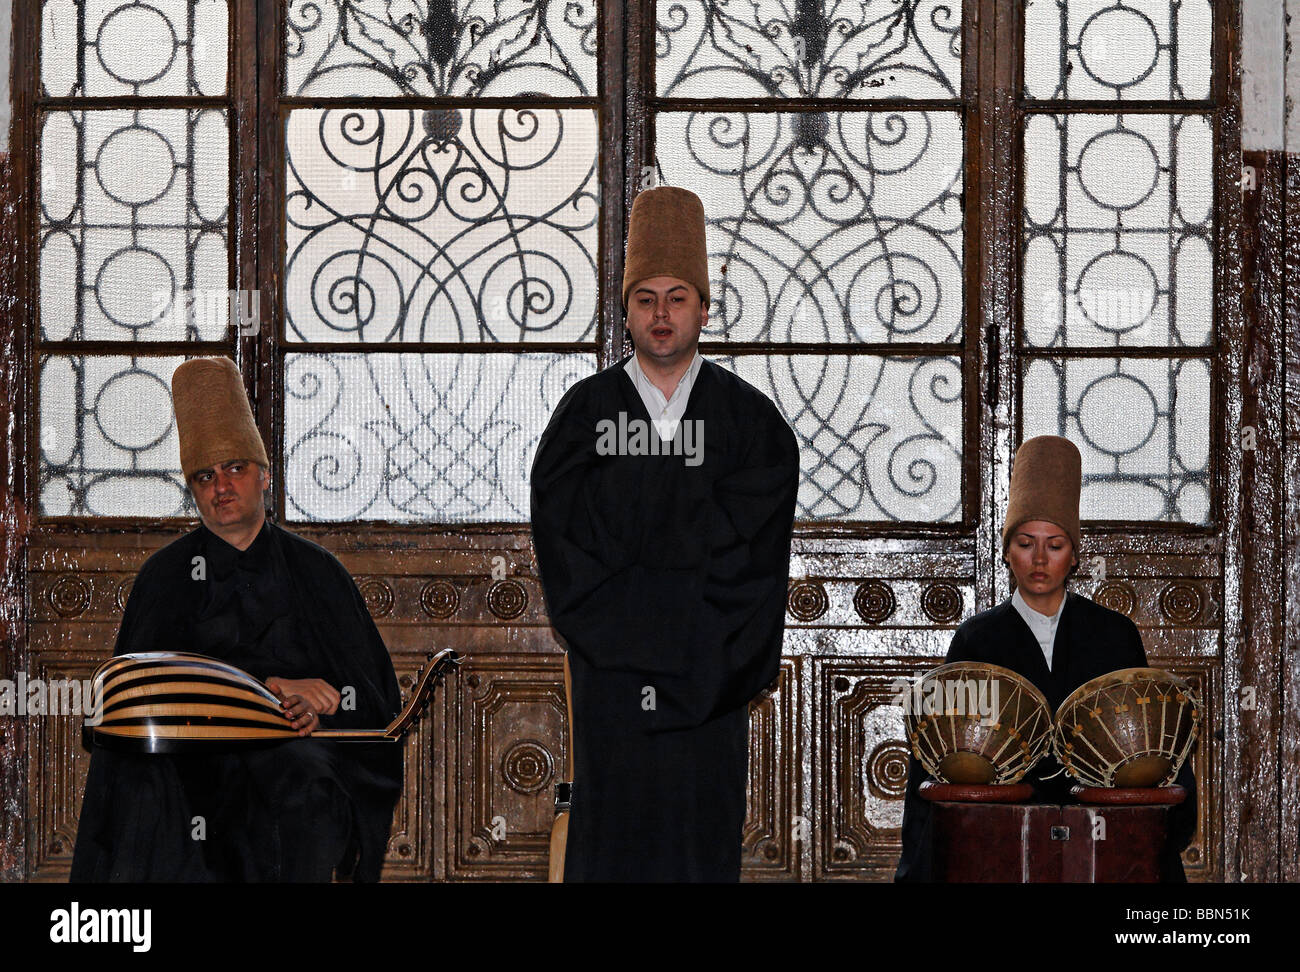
976, 724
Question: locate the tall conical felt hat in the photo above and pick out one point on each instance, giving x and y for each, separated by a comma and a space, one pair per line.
665, 238
1045, 481
213, 420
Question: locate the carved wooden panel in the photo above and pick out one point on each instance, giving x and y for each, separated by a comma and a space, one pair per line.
56, 773
1201, 860
892, 602
861, 765
769, 835
510, 749
410, 847
73, 618
1158, 591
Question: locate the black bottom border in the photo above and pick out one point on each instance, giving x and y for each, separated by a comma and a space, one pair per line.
267, 922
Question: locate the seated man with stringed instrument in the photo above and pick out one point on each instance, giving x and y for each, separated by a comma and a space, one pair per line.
245, 591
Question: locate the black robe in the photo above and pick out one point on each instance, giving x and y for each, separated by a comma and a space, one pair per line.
293, 811
1091, 641
667, 583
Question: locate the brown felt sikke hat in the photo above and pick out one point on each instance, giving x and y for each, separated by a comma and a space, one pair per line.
213, 420
665, 238
1045, 481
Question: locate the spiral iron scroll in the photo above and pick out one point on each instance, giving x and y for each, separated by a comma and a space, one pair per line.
441, 47
441, 225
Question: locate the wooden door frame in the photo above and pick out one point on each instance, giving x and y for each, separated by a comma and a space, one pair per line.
1286, 372
17, 198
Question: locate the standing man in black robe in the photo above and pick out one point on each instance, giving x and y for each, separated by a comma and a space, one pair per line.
663, 496
282, 608
1057, 639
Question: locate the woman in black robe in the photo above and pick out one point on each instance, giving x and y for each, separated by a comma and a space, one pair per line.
1040, 542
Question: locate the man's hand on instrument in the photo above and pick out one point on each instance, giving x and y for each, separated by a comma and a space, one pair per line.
304, 701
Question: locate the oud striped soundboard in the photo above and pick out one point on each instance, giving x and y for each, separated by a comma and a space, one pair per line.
163, 702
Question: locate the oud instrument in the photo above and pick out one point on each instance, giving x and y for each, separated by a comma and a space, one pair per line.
171, 702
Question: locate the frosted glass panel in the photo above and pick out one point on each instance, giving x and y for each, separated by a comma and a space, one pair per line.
446, 438
134, 225
108, 442
1118, 231
826, 227
1142, 425
1118, 50
443, 225
879, 438
132, 47
808, 49
378, 48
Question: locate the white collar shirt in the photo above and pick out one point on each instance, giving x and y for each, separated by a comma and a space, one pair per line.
665, 412
1043, 626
